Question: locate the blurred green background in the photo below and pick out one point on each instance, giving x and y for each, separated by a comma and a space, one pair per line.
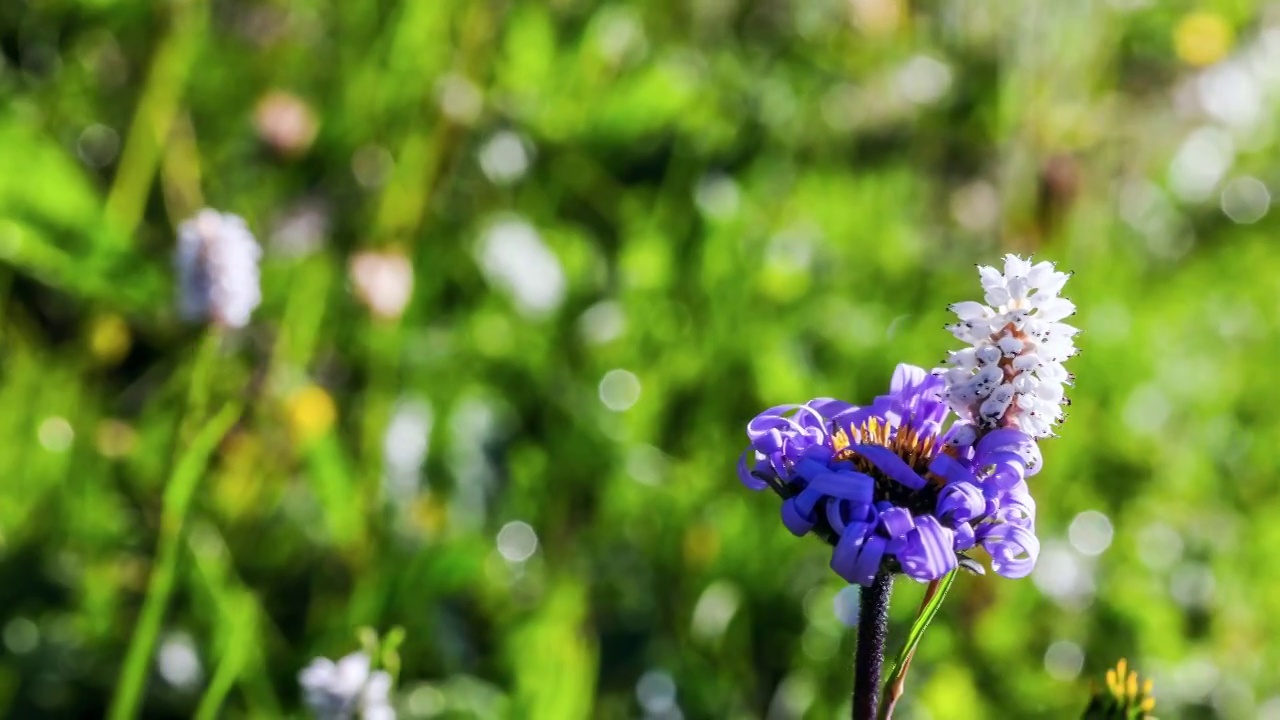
628, 227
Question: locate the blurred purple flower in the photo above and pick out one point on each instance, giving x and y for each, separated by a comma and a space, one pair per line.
892, 490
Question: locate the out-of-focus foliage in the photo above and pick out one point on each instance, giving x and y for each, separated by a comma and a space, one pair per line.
631, 225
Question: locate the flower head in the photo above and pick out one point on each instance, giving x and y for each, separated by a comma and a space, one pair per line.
217, 264
346, 689
383, 281
1012, 375
891, 487
1124, 698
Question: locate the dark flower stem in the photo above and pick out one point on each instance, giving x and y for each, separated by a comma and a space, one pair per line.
873, 627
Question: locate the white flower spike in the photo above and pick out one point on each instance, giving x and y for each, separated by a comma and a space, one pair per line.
217, 264
1012, 375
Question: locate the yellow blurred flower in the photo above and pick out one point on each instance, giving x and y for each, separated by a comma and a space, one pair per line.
701, 545
1203, 38
116, 439
237, 486
1125, 696
878, 17
428, 515
109, 339
311, 413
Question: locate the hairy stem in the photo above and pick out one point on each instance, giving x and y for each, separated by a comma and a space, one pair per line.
873, 628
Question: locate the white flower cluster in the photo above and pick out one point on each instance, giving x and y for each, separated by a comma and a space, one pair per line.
1012, 376
217, 264
346, 689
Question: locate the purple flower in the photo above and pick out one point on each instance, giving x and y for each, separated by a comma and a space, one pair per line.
891, 489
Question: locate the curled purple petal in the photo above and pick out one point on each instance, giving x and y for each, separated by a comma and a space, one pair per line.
930, 551
846, 551
841, 513
838, 515
744, 473
896, 522
868, 562
1008, 468
795, 522
807, 501
1013, 550
829, 407
964, 537
1001, 439
960, 503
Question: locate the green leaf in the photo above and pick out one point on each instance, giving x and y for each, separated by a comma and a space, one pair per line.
922, 623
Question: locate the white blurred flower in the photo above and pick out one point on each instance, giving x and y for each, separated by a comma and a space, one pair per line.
923, 80
405, 446
1201, 162
383, 281
1012, 376
515, 259
504, 158
301, 229
460, 99
346, 689
217, 264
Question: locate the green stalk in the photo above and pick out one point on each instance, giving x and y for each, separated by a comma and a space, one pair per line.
897, 669
178, 494
235, 656
155, 115
237, 608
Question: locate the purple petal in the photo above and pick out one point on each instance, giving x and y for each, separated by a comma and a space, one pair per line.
846, 551
829, 407
950, 469
796, 523
930, 551
1002, 439
846, 486
888, 462
744, 472
808, 468
837, 511
964, 537
844, 512
896, 522
960, 503
1010, 468
806, 502
868, 562
841, 513
1020, 514
1013, 550
931, 412
1012, 441
906, 376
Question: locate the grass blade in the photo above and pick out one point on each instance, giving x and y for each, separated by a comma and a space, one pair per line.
897, 670
178, 493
